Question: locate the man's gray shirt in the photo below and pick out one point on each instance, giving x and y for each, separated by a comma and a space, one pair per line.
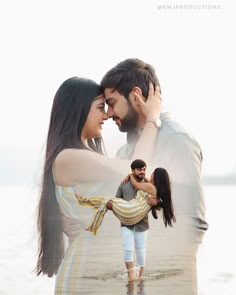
127, 192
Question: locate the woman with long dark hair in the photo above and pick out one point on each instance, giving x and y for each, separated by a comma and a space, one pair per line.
74, 159
160, 179
131, 212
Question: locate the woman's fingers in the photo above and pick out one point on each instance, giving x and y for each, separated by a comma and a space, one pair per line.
151, 108
76, 194
157, 93
154, 93
150, 90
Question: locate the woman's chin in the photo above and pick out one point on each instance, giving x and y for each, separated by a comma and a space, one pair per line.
96, 135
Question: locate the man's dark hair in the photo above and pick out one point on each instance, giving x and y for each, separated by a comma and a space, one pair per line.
128, 74
138, 163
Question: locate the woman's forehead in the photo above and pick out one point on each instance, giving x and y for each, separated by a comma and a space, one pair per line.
100, 98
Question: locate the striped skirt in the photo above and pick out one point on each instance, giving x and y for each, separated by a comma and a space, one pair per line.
128, 213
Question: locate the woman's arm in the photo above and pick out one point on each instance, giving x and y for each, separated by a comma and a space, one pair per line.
144, 186
150, 110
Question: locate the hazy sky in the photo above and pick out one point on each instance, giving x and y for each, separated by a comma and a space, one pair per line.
192, 48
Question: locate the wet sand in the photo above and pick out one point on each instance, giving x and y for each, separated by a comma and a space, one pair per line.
170, 266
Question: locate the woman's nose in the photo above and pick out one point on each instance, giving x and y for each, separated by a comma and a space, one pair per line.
105, 116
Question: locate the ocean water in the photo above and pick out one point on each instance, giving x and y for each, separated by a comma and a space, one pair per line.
217, 254
216, 258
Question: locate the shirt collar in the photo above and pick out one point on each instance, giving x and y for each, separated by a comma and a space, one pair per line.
165, 116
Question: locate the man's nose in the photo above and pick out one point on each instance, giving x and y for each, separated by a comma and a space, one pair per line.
110, 112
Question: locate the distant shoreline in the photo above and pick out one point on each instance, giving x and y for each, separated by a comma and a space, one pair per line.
28, 180
213, 180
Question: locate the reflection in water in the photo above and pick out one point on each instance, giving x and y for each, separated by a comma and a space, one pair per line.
160, 282
135, 288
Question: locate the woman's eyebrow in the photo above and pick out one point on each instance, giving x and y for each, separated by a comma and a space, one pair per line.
101, 103
100, 96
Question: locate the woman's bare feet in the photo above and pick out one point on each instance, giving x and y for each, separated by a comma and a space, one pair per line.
132, 274
140, 275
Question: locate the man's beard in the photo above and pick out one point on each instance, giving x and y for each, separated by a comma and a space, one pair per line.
129, 122
139, 177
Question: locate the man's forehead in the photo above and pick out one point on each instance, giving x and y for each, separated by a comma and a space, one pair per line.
112, 92
108, 92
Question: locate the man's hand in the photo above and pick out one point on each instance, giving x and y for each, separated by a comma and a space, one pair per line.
124, 181
109, 204
152, 201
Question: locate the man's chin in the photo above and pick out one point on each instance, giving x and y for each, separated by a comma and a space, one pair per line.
120, 127
139, 178
124, 128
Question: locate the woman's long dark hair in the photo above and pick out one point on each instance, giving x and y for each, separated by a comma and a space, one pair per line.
69, 112
163, 187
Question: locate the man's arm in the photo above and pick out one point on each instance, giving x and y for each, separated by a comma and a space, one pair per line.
145, 186
185, 172
119, 193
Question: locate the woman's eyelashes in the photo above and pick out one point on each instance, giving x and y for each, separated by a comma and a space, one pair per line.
101, 107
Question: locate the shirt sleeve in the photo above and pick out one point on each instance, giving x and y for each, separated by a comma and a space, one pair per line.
119, 193
184, 167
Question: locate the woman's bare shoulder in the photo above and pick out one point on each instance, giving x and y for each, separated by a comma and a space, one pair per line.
67, 155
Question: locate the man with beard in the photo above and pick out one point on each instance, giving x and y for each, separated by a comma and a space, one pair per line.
175, 150
134, 236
